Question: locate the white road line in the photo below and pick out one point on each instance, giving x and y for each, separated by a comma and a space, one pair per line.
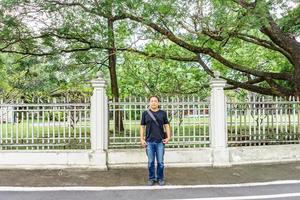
85, 188
273, 196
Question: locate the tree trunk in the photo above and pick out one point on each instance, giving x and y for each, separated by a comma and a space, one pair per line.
296, 77
297, 92
112, 58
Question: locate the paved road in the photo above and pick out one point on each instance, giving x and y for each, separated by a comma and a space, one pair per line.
280, 190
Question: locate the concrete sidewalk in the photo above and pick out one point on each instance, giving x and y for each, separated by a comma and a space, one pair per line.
138, 177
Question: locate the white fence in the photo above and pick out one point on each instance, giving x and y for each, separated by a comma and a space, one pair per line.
45, 126
62, 125
6, 115
263, 121
102, 133
188, 117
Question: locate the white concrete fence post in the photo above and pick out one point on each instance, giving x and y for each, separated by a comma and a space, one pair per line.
99, 119
218, 130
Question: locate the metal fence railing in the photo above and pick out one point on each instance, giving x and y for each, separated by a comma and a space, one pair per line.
44, 126
263, 121
64, 125
188, 116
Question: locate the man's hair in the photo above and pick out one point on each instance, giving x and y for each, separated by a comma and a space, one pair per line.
155, 97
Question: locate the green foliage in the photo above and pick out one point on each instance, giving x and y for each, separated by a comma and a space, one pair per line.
140, 76
291, 22
76, 39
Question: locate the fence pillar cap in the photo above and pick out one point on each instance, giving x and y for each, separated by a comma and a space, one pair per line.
217, 81
99, 82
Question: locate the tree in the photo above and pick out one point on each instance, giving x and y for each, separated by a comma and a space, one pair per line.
141, 76
219, 35
230, 27
60, 32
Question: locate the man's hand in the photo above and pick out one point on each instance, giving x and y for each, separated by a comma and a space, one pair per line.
166, 140
144, 143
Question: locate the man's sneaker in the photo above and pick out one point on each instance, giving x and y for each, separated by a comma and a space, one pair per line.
150, 182
161, 182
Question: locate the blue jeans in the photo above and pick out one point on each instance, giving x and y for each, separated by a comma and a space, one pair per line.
155, 150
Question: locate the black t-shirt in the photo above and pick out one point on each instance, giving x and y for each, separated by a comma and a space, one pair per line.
153, 132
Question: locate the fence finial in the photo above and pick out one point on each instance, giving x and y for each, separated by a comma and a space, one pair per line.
217, 74
100, 75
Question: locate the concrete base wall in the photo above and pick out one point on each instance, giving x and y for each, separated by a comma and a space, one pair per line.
264, 154
131, 158
173, 157
53, 159
207, 156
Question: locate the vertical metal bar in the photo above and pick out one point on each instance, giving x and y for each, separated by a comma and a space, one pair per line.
136, 122
249, 121
188, 120
123, 110
85, 122
1, 121
43, 126
27, 125
80, 125
194, 106
114, 107
119, 115
240, 116
263, 116
132, 135
259, 121
245, 112
22, 125
172, 122
75, 124
281, 114
70, 124
231, 120
65, 119
294, 118
255, 113
235, 121
286, 119
48, 127
17, 123
32, 114
38, 124
178, 121
246, 136
53, 124
271, 112
204, 108
276, 117
183, 119
6, 125
58, 127
11, 124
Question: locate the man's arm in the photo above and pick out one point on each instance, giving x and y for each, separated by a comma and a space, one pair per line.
168, 130
142, 136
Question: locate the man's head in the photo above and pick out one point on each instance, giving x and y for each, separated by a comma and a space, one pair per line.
154, 102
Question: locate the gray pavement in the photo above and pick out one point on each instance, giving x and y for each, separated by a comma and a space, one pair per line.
138, 176
276, 191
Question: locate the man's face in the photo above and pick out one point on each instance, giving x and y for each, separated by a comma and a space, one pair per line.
154, 103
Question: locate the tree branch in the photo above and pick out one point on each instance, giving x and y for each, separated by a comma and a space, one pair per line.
207, 51
248, 85
152, 55
264, 43
274, 32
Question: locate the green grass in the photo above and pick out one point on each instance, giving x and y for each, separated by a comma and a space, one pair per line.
185, 133
20, 135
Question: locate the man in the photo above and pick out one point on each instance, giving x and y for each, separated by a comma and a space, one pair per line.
154, 121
